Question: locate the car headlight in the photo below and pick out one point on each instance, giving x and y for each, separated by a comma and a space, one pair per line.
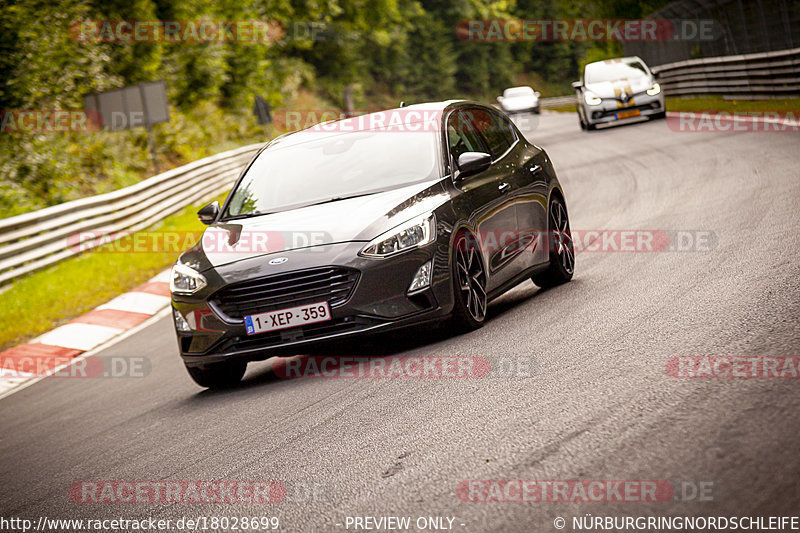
422, 278
416, 232
180, 323
591, 98
654, 90
185, 280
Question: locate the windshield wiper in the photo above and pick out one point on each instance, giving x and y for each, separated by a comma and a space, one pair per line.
244, 215
297, 206
339, 198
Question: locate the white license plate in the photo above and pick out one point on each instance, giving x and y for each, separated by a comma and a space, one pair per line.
287, 318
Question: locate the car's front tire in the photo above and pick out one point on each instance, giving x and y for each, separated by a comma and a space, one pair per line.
559, 242
218, 375
469, 283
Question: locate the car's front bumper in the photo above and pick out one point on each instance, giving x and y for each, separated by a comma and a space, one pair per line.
379, 301
612, 110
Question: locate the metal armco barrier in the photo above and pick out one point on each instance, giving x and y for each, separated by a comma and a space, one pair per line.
750, 76
557, 101
763, 75
35, 240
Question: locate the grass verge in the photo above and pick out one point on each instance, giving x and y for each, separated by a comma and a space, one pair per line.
563, 109
38, 302
717, 104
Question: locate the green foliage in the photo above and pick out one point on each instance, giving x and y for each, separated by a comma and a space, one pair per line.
386, 50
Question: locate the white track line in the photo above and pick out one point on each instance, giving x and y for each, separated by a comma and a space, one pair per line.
78, 336
137, 302
124, 335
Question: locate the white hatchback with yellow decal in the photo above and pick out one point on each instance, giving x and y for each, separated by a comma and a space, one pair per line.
617, 89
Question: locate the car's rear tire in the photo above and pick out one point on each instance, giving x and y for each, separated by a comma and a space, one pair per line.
469, 283
218, 375
559, 242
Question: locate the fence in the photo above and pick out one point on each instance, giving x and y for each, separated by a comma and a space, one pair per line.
761, 75
557, 101
35, 240
751, 76
740, 27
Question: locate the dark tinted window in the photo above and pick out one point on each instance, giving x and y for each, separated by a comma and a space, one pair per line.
506, 128
461, 137
497, 135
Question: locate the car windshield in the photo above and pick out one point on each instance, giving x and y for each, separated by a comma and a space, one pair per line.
310, 170
518, 91
612, 71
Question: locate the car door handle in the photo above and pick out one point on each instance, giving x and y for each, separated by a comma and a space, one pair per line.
535, 168
503, 187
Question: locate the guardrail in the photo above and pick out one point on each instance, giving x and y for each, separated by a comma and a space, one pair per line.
557, 101
35, 240
767, 74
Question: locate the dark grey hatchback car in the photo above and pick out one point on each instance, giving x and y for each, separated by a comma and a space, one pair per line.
361, 225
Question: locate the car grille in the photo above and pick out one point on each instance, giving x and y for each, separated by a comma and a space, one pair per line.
327, 284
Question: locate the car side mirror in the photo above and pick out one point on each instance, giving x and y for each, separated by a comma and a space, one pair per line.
576, 85
209, 213
537, 94
471, 163
499, 98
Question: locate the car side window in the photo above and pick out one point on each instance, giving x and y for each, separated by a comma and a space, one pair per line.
489, 126
461, 137
506, 128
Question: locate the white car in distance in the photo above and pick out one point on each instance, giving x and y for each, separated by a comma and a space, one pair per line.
519, 100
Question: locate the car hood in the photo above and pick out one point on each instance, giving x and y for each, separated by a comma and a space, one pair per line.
355, 219
612, 89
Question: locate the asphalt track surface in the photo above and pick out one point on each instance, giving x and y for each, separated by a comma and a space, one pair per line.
599, 406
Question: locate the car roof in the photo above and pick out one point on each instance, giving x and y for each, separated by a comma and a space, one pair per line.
405, 116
